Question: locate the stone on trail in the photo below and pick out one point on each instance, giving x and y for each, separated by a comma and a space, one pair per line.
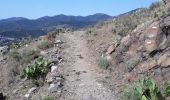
54, 69
54, 87
30, 93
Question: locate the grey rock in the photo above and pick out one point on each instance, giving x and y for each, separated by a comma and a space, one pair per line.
49, 78
54, 87
54, 69
58, 42
30, 93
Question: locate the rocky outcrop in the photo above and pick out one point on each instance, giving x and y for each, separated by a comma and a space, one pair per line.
146, 51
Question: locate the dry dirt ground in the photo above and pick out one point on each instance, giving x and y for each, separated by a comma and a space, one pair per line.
83, 77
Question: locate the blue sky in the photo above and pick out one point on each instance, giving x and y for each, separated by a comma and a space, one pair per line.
38, 8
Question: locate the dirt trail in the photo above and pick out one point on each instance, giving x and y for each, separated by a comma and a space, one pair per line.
80, 71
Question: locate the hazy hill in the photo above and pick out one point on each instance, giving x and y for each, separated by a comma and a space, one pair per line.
17, 25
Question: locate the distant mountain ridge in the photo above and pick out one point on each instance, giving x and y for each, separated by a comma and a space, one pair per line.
19, 27
45, 23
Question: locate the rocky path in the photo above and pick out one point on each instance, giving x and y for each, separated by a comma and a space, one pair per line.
81, 72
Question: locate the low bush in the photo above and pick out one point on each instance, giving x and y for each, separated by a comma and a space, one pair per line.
29, 55
131, 63
146, 89
44, 45
24, 56
52, 35
161, 12
15, 55
36, 70
103, 62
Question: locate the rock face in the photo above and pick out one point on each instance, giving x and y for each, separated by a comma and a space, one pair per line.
146, 51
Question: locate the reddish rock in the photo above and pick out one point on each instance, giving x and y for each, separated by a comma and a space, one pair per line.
164, 60
133, 49
145, 66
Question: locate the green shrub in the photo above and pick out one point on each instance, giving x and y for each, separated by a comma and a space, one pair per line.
166, 89
103, 62
44, 45
47, 98
15, 45
159, 13
36, 70
145, 89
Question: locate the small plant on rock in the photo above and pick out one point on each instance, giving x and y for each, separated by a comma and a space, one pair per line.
103, 62
15, 45
36, 70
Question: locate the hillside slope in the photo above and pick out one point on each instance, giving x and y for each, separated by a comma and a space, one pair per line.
97, 63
